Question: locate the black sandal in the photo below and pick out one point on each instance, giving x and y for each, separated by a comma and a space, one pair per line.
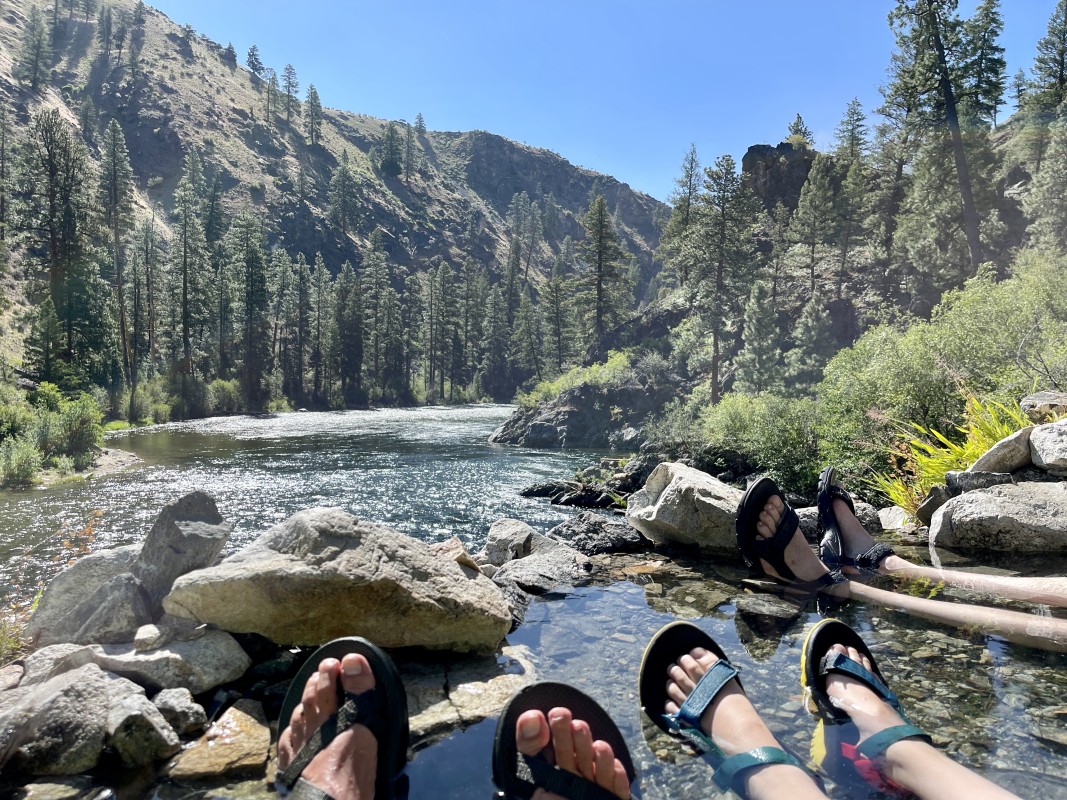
831, 547
771, 550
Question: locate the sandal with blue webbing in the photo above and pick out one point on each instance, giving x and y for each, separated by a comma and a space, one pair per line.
666, 647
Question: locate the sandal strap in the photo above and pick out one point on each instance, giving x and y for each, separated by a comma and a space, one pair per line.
303, 790
361, 709
877, 745
836, 492
773, 548
707, 688
869, 560
731, 771
566, 784
841, 663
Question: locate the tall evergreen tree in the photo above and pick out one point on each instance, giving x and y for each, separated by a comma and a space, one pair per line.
601, 284
270, 98
813, 221
1050, 64
813, 347
253, 61
494, 373
526, 339
849, 213
190, 262
557, 312
391, 159
343, 208
376, 279
850, 138
778, 225
290, 88
35, 55
759, 367
116, 196
348, 343
984, 67
420, 124
312, 115
800, 134
409, 153
321, 304
251, 265
1046, 204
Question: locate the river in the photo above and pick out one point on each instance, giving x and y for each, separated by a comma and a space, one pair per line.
999, 708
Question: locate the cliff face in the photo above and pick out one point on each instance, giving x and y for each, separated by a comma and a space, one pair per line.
776, 174
184, 95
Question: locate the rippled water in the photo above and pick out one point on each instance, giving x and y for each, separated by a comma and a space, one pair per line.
429, 472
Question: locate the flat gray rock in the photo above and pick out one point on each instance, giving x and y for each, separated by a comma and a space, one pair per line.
1023, 518
1008, 455
323, 573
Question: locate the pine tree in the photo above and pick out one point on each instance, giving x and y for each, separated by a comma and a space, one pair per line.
1046, 204
759, 361
321, 303
343, 207
727, 214
526, 339
104, 32
391, 160
348, 323
849, 213
412, 323
189, 261
532, 237
312, 115
270, 100
420, 124
229, 55
494, 374
1020, 88
813, 221
557, 311
252, 60
116, 196
601, 285
800, 135
676, 248
251, 266
5, 150
291, 87
984, 66
409, 153
1050, 64
376, 279
813, 347
778, 226
35, 55
44, 345
850, 138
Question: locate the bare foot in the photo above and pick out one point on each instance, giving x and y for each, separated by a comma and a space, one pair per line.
732, 722
868, 711
799, 556
568, 743
346, 768
855, 541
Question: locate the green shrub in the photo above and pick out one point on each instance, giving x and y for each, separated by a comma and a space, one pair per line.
82, 433
225, 396
16, 417
928, 457
140, 410
615, 371
47, 396
46, 433
20, 461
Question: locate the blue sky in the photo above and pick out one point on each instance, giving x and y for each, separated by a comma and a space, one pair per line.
618, 86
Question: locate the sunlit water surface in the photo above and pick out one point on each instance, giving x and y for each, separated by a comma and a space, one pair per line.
999, 708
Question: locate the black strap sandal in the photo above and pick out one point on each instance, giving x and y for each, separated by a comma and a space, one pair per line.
772, 549
831, 547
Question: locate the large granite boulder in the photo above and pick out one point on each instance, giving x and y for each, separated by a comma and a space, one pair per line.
188, 534
72, 587
1042, 406
682, 505
1048, 446
110, 615
198, 664
593, 534
1009, 454
323, 573
1028, 517
57, 727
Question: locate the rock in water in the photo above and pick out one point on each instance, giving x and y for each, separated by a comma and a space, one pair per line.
138, 732
72, 587
323, 573
188, 534
110, 615
1023, 518
594, 534
682, 505
237, 744
179, 709
1048, 446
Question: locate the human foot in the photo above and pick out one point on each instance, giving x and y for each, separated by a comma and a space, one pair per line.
798, 555
702, 701
845, 542
347, 766
568, 743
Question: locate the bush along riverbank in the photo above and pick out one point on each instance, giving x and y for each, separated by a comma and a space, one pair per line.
139, 647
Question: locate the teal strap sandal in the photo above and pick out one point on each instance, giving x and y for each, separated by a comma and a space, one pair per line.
669, 644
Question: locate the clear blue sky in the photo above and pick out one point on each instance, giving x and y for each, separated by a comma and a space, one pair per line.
618, 86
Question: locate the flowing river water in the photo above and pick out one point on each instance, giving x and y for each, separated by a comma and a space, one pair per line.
999, 708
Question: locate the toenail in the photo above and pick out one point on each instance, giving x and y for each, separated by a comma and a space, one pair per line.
555, 716
529, 728
353, 668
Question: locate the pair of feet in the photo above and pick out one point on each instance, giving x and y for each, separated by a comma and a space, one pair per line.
347, 767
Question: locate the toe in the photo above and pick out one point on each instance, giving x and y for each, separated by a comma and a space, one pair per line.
532, 733
583, 749
326, 687
622, 781
356, 674
604, 765
559, 721
692, 667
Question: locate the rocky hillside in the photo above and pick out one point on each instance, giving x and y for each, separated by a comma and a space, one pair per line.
184, 92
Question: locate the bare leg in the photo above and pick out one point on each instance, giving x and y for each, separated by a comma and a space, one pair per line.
910, 763
571, 747
347, 767
736, 727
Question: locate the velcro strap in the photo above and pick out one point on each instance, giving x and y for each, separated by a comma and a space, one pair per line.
563, 783
308, 791
877, 745
784, 531
873, 557
836, 492
732, 769
841, 663
709, 685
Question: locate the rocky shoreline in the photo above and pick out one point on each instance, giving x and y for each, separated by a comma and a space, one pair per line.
159, 660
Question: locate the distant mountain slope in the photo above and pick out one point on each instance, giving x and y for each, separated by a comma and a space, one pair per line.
185, 95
